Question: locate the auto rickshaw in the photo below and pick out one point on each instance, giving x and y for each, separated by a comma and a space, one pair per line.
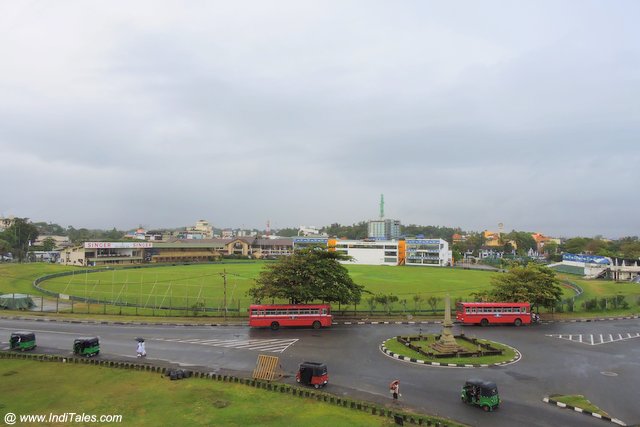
312, 373
86, 346
22, 340
481, 393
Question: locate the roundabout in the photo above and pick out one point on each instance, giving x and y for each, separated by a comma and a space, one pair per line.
473, 353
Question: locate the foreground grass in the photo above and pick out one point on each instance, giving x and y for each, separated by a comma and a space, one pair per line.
393, 345
145, 399
579, 401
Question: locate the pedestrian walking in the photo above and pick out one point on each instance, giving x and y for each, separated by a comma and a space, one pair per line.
394, 389
140, 349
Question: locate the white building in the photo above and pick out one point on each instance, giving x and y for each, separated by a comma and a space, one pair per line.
381, 252
428, 252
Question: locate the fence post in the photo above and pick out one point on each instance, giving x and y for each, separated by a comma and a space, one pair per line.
57, 302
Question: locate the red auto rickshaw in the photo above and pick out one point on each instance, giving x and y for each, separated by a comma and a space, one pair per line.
312, 373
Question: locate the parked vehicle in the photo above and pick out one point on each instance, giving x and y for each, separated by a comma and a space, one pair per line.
22, 341
312, 373
86, 346
481, 393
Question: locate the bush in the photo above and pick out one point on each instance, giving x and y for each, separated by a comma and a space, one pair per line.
570, 304
603, 303
590, 304
619, 301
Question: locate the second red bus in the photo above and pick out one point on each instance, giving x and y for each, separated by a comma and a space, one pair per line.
493, 313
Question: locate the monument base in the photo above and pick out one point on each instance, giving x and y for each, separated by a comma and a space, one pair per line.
447, 347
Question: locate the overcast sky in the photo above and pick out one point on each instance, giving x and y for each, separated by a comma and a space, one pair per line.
463, 113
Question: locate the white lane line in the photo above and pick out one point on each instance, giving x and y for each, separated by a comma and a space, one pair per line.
271, 345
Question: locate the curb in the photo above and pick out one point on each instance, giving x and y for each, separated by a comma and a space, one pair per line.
583, 411
595, 319
116, 322
396, 356
383, 322
353, 323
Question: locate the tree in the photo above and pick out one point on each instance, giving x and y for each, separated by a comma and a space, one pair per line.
5, 247
386, 300
576, 245
310, 274
48, 244
550, 248
417, 301
433, 303
524, 241
531, 283
288, 232
19, 235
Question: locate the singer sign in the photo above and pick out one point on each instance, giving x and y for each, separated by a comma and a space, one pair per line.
117, 245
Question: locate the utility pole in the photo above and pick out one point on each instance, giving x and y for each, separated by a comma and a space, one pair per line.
224, 280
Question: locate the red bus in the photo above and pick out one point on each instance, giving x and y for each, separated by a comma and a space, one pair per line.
498, 313
274, 316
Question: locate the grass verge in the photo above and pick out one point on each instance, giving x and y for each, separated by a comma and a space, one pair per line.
393, 345
579, 401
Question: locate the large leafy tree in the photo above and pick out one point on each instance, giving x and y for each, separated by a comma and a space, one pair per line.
310, 274
19, 236
531, 283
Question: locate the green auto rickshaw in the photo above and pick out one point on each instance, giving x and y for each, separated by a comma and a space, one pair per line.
86, 346
481, 393
22, 340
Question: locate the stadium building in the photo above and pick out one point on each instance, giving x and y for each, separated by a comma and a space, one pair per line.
421, 252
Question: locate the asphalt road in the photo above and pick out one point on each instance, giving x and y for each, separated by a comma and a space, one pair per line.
557, 359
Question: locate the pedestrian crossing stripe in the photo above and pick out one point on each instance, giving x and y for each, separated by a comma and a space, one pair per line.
267, 345
596, 339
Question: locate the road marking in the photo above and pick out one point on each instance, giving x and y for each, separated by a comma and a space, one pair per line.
270, 345
595, 339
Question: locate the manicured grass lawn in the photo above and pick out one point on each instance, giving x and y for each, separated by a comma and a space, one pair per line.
579, 401
181, 286
146, 399
606, 289
185, 286
393, 345
17, 278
